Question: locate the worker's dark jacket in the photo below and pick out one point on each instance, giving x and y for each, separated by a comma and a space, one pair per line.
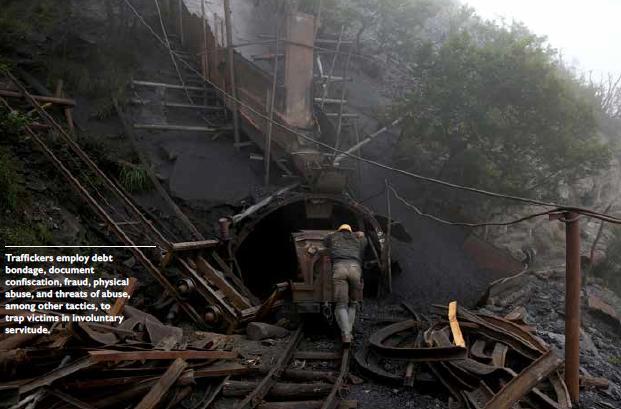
344, 245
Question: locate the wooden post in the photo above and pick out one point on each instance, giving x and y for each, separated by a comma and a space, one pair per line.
231, 58
67, 110
268, 138
318, 17
204, 58
181, 39
332, 65
388, 241
339, 124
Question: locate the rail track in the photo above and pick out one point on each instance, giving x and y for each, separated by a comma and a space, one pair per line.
299, 378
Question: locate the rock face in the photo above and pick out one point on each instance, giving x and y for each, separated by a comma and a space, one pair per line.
257, 331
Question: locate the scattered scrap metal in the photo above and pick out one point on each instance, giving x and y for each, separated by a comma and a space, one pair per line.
142, 362
483, 361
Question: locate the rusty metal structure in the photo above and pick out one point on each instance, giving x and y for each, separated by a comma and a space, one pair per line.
502, 364
285, 63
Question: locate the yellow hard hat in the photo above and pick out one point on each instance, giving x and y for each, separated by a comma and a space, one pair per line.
344, 227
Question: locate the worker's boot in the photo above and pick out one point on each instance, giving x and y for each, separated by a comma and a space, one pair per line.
342, 319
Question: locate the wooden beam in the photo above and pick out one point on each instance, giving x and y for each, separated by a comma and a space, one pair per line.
331, 101
140, 101
317, 355
161, 387
220, 282
458, 338
120, 302
38, 98
118, 356
166, 85
194, 245
231, 66
168, 127
279, 390
223, 369
336, 114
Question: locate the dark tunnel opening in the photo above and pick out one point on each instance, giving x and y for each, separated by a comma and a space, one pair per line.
267, 256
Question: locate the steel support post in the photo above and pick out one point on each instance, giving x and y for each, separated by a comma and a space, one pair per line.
573, 287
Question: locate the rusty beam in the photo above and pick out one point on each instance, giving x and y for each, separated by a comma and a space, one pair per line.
425, 354
518, 387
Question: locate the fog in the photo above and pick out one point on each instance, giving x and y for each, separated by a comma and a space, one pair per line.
587, 33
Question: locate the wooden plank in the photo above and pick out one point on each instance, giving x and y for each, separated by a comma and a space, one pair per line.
117, 356
38, 98
120, 302
169, 127
278, 391
336, 114
331, 101
219, 281
223, 369
226, 270
140, 101
318, 355
194, 245
161, 387
458, 337
167, 86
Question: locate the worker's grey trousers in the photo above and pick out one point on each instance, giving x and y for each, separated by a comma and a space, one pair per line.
347, 285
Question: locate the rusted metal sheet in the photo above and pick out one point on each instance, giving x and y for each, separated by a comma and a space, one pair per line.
486, 256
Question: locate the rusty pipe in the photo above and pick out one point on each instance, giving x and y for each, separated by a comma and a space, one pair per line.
573, 287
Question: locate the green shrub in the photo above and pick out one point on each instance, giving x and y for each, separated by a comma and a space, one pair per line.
134, 178
26, 235
10, 181
610, 268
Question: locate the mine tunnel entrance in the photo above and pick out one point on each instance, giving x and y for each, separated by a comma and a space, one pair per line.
267, 255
